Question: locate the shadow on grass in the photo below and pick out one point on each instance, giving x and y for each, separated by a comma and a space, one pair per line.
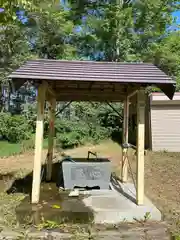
24, 185
116, 137
55, 206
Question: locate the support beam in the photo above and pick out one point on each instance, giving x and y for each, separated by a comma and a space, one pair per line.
38, 143
111, 106
140, 147
63, 108
132, 94
51, 91
52, 109
124, 168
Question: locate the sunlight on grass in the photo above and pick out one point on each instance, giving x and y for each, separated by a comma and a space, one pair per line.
8, 149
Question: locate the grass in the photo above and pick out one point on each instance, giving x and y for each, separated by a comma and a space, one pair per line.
162, 177
8, 149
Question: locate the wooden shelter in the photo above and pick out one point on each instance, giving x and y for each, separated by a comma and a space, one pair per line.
58, 80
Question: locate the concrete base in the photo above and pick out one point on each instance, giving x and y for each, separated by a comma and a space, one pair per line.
118, 205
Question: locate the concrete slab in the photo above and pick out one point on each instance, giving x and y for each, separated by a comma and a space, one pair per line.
118, 205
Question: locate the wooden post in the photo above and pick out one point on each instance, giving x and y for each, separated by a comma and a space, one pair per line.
124, 167
38, 143
140, 147
51, 138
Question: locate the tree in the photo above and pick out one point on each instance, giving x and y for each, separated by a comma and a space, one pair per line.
9, 10
121, 30
14, 10
14, 50
165, 55
52, 33
40, 29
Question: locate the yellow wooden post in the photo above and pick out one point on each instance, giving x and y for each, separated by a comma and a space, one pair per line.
51, 138
38, 143
140, 147
124, 167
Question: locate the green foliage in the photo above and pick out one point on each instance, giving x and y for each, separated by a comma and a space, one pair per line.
72, 133
117, 30
47, 224
69, 140
10, 7
9, 15
166, 55
51, 32
87, 122
121, 30
14, 128
14, 50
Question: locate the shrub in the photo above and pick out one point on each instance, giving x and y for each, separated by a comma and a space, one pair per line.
14, 128
69, 140
74, 133
100, 133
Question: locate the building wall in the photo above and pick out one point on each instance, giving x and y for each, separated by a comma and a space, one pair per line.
165, 123
165, 127
162, 123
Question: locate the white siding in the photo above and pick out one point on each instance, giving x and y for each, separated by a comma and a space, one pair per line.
165, 127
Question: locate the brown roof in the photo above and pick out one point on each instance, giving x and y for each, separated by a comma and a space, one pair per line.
71, 76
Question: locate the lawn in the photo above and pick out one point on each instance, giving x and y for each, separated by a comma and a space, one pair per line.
8, 149
162, 178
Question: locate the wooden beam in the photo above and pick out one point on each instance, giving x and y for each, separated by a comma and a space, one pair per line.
63, 108
140, 147
90, 97
132, 94
52, 109
38, 142
51, 91
124, 167
111, 106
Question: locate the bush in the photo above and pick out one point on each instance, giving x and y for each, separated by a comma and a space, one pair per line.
85, 122
14, 128
69, 133
74, 133
69, 140
100, 133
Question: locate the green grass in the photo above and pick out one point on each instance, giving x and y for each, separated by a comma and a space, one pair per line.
8, 149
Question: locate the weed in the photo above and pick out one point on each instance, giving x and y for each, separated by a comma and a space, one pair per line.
147, 216
48, 224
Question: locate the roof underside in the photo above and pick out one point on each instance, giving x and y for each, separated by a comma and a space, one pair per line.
92, 81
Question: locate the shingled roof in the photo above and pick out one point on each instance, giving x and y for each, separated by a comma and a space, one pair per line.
84, 80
